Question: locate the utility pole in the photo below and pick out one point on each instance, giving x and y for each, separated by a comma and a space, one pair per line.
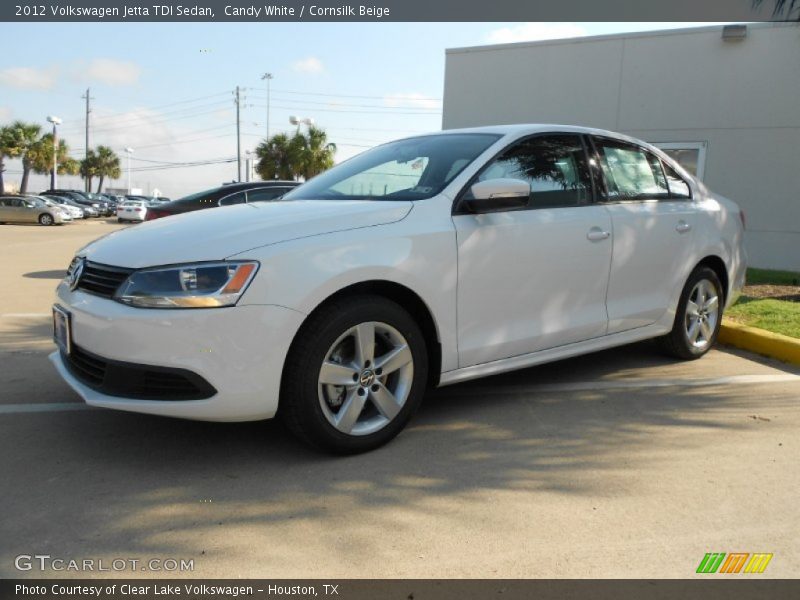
267, 77
238, 138
88, 98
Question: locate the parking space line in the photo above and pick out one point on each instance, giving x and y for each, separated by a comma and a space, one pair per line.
588, 386
11, 409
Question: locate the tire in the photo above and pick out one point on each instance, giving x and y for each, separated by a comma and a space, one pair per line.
692, 335
46, 220
380, 403
119, 220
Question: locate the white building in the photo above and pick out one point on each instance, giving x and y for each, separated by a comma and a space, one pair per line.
725, 102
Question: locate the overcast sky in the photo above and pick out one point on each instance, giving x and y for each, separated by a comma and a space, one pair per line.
166, 89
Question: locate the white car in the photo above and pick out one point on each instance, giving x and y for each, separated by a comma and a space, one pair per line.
70, 212
422, 262
131, 210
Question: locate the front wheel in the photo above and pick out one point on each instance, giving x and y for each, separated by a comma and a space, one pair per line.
46, 219
698, 317
355, 375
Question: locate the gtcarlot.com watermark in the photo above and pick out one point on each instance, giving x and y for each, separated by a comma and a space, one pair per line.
46, 562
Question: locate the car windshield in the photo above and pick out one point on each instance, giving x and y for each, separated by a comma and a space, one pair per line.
410, 169
37, 202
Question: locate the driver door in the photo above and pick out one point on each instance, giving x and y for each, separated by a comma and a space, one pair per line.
533, 278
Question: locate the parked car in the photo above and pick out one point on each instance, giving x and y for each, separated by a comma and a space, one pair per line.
225, 195
101, 207
70, 211
22, 209
426, 261
86, 211
132, 210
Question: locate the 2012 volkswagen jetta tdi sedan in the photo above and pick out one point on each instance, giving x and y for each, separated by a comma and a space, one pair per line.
425, 261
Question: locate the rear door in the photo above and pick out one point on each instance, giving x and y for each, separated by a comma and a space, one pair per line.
653, 233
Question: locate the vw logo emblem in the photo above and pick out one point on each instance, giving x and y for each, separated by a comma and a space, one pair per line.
367, 377
75, 275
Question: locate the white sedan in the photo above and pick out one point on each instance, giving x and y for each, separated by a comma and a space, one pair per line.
131, 210
422, 262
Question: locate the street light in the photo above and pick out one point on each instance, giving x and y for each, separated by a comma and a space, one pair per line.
54, 174
295, 120
267, 77
129, 151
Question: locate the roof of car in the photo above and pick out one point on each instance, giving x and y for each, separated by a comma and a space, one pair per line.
521, 129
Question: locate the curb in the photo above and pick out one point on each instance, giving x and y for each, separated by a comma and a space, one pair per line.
774, 345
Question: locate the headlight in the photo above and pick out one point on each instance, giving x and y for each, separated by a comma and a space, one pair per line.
202, 285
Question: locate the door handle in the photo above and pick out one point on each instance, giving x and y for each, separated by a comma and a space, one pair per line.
682, 226
596, 234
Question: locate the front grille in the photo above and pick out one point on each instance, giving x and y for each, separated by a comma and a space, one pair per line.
102, 280
131, 380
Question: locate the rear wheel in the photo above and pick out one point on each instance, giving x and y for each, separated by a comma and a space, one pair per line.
46, 219
355, 375
698, 317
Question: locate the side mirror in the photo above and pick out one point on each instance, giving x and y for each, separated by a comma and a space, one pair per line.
495, 195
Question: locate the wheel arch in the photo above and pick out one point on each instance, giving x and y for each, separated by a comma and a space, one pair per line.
716, 264
408, 300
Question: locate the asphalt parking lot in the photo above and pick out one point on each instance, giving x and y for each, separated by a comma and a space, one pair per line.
619, 464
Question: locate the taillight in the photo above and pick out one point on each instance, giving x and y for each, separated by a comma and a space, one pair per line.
155, 214
743, 218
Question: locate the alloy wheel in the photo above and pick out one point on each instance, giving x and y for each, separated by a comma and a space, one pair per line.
365, 378
702, 314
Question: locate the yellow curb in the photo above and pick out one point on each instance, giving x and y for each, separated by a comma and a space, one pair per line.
757, 340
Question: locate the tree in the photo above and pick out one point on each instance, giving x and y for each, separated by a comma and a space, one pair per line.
277, 158
25, 136
791, 8
8, 149
88, 167
302, 155
41, 157
107, 165
317, 153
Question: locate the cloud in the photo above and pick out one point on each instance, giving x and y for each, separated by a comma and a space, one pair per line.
5, 113
308, 65
113, 72
29, 78
411, 100
530, 32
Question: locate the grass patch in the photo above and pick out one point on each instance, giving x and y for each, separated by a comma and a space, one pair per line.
777, 316
769, 277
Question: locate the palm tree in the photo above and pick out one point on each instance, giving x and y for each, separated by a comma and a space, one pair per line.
25, 136
277, 158
790, 7
318, 153
41, 157
8, 149
88, 167
302, 155
107, 165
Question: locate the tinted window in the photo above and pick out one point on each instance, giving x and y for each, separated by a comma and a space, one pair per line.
263, 194
238, 198
630, 172
554, 166
411, 169
678, 188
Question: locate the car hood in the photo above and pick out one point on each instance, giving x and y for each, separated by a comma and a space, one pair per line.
218, 233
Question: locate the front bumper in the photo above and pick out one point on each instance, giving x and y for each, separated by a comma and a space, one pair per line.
239, 350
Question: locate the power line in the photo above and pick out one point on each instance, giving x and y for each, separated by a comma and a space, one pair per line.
364, 112
298, 93
113, 115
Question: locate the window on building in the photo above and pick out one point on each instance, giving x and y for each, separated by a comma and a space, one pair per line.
690, 155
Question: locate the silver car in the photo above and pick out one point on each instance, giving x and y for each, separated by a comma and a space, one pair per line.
19, 209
